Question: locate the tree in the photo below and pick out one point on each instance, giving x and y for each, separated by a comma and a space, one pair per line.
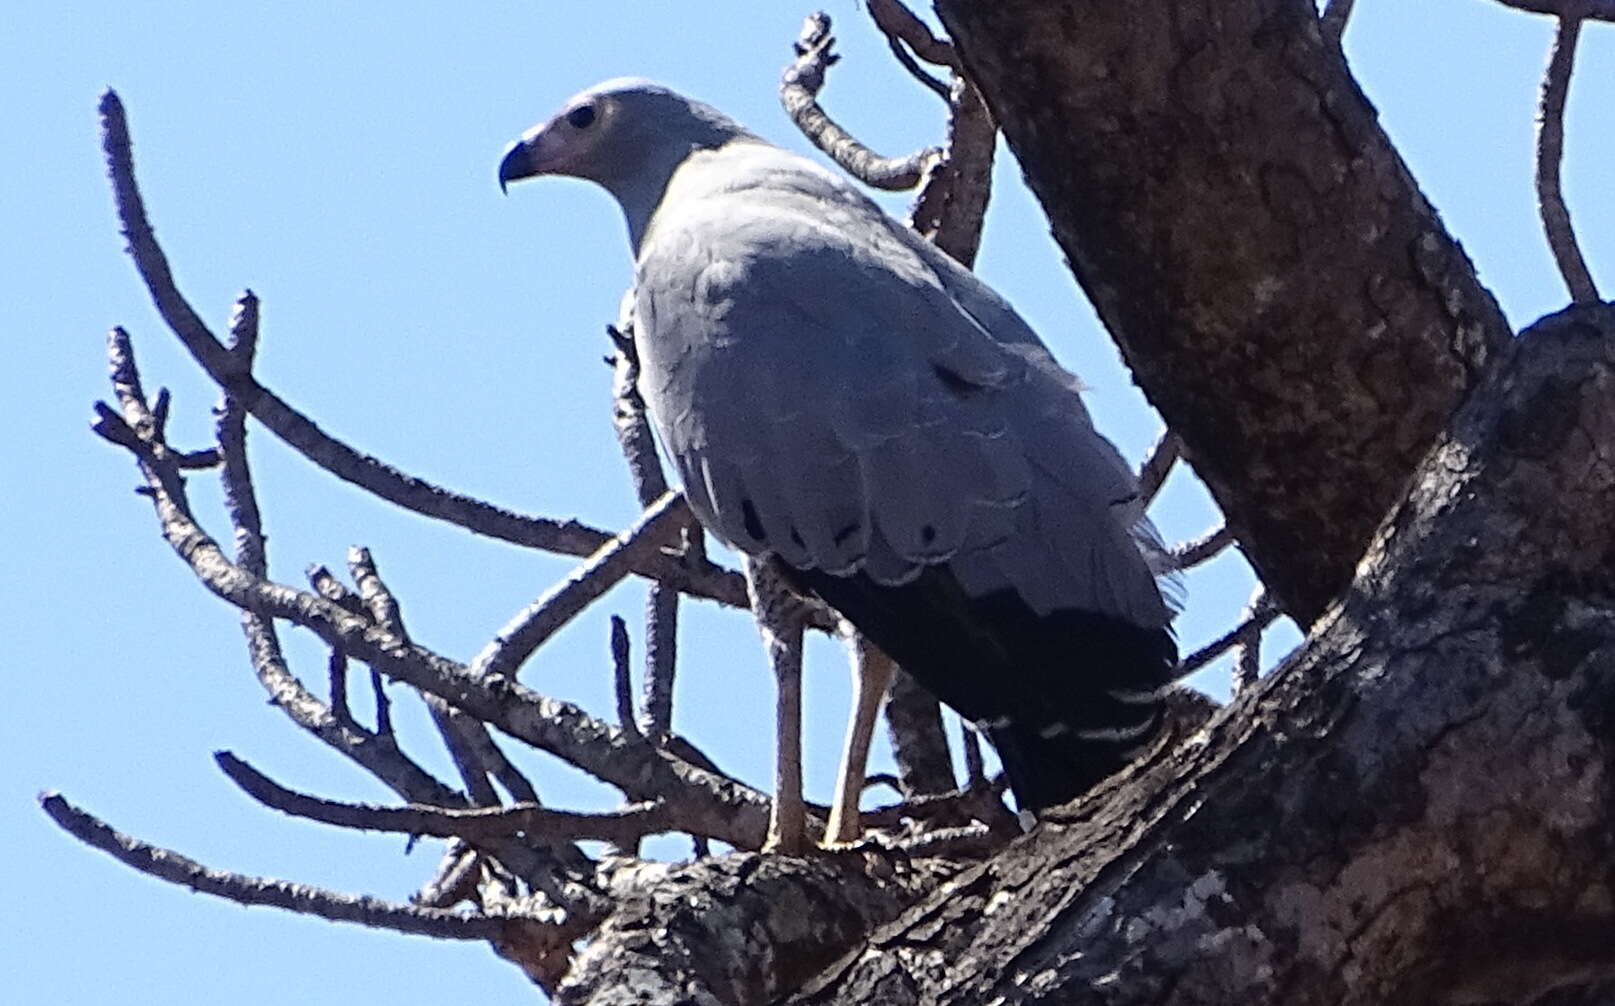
1411, 809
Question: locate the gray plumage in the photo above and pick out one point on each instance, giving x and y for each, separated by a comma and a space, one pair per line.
834, 390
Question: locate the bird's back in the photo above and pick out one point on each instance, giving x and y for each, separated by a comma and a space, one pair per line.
836, 393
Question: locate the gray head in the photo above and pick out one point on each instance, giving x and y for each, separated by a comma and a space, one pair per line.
627, 134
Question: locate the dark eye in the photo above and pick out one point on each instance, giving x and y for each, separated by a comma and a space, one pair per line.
581, 117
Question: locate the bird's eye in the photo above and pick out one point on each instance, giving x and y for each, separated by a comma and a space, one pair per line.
581, 117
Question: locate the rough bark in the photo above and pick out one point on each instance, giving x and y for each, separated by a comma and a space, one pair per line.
1418, 807
1283, 292
740, 928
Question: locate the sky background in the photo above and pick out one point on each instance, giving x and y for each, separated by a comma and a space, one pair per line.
339, 160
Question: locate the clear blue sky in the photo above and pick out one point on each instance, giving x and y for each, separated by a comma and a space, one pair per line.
339, 160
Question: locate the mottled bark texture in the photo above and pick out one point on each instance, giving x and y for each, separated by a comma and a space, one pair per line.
743, 928
1416, 808
1283, 292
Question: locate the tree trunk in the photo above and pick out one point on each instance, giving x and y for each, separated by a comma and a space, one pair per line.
1279, 286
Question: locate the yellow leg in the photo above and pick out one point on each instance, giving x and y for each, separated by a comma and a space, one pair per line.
871, 675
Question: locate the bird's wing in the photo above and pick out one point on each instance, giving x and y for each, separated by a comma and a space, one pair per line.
828, 399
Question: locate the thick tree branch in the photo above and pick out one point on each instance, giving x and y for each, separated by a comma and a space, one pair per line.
739, 929
1229, 202
1416, 808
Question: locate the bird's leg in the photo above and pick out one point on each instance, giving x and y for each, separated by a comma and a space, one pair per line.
779, 619
787, 826
871, 675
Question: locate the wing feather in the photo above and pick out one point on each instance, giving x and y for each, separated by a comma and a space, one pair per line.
851, 400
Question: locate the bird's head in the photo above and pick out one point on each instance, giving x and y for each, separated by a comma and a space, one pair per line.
626, 134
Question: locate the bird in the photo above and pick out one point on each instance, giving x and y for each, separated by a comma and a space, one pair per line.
847, 404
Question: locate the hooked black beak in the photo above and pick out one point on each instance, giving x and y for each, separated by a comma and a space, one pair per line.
516, 164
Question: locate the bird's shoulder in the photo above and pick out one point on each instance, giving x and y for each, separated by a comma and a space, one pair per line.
755, 205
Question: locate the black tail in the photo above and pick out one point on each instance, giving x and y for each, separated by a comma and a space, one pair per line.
1067, 698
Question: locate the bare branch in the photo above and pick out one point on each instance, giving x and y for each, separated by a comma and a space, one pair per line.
329, 587
799, 93
377, 753
1247, 663
919, 744
634, 434
336, 673
1333, 20
384, 704
639, 450
622, 677
1598, 10
452, 726
456, 878
334, 456
904, 32
952, 205
1152, 474
492, 758
1207, 546
970, 841
984, 803
722, 807
1262, 613
975, 768
1248, 649
465, 739
1550, 154
528, 630
661, 659
478, 825
335, 907
378, 598
898, 23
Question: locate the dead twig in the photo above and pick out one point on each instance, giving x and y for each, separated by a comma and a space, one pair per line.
1262, 612
1248, 647
165, 864
919, 744
621, 676
1550, 154
1597, 10
534, 624
638, 445
899, 24
377, 752
455, 881
723, 807
905, 32
799, 93
303, 435
476, 825
1206, 547
1153, 472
